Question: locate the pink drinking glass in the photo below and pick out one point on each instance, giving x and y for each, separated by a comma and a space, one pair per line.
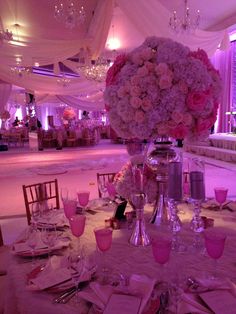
103, 238
83, 197
70, 207
214, 243
221, 195
77, 225
161, 248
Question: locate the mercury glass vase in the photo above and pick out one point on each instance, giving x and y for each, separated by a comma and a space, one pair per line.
158, 160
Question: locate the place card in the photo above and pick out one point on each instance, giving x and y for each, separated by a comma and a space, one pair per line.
220, 301
122, 304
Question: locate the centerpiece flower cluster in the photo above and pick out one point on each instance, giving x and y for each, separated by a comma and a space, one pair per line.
162, 88
125, 186
5, 115
68, 114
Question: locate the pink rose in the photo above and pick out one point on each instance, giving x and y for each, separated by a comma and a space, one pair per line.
115, 69
204, 124
139, 116
146, 53
135, 102
163, 129
150, 66
146, 104
137, 59
183, 87
135, 91
187, 120
180, 131
135, 80
177, 116
196, 101
161, 68
165, 81
143, 71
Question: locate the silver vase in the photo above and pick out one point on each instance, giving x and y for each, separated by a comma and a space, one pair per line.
139, 236
158, 161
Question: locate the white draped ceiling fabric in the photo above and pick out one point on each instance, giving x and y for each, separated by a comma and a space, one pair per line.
146, 17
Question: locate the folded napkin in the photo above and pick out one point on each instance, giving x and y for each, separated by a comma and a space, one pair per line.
139, 285
56, 272
57, 218
212, 204
192, 303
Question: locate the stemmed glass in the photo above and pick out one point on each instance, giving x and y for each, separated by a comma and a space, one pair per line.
32, 240
214, 243
64, 194
111, 191
70, 207
83, 197
161, 248
221, 195
49, 237
197, 194
76, 265
102, 187
35, 213
103, 238
77, 225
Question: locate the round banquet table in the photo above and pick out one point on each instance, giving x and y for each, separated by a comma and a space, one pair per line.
126, 259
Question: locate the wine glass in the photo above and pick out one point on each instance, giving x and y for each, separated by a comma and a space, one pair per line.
220, 195
102, 187
111, 191
161, 248
83, 197
49, 237
64, 194
32, 240
76, 262
214, 243
35, 213
70, 207
103, 238
77, 225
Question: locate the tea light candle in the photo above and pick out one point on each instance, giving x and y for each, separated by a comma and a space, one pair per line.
197, 186
175, 181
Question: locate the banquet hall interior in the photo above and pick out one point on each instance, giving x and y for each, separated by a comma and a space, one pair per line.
134, 89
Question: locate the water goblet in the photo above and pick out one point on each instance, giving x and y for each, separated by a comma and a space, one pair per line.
32, 240
49, 237
77, 225
64, 194
76, 262
102, 188
111, 191
103, 238
35, 213
83, 197
214, 243
70, 207
220, 195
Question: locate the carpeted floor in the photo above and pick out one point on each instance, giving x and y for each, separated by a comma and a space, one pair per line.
75, 168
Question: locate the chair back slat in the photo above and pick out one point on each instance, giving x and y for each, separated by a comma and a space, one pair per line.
1, 238
40, 192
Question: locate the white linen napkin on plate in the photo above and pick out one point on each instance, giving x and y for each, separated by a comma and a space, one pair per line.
139, 285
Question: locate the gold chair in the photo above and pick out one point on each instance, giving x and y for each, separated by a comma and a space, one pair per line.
40, 192
102, 179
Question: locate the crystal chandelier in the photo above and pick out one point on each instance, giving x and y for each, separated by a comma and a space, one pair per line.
63, 81
97, 70
185, 24
6, 35
69, 13
19, 69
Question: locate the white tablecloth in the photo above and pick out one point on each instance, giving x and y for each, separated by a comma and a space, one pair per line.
223, 140
126, 259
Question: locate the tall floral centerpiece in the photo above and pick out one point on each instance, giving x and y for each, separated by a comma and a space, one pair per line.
162, 88
68, 115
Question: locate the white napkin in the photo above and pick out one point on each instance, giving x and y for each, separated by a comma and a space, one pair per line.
57, 218
191, 303
139, 285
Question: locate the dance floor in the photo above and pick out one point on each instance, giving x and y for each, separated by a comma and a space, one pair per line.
75, 168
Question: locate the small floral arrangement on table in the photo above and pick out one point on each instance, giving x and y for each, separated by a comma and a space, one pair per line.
5, 115
162, 88
125, 186
69, 114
